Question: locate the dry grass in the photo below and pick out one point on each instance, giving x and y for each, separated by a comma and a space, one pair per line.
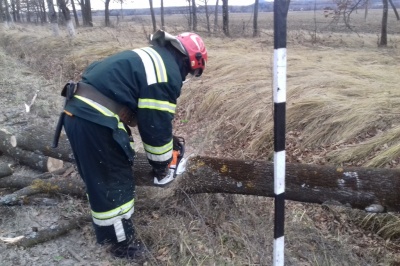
342, 98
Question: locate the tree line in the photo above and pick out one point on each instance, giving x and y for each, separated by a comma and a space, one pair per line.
59, 11
48, 11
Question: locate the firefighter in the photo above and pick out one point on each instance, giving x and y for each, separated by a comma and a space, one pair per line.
136, 87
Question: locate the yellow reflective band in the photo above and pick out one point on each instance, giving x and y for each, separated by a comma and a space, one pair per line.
158, 63
158, 150
157, 105
159, 158
115, 219
115, 212
105, 111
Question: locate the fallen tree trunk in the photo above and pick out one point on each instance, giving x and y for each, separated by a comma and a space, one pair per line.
5, 170
358, 187
28, 157
38, 140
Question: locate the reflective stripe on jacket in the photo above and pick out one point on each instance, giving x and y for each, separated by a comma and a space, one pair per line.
148, 81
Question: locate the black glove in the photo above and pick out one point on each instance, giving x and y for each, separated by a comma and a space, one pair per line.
175, 143
178, 144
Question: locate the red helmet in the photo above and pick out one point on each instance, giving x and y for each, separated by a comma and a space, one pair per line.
196, 51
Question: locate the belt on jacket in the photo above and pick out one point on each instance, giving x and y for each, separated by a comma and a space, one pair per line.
90, 92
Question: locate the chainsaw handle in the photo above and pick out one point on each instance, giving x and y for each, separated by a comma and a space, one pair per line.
181, 150
179, 145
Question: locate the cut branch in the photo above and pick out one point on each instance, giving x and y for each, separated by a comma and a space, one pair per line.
47, 234
34, 160
5, 170
15, 197
67, 185
38, 140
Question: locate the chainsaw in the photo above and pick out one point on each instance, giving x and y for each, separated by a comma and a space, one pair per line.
177, 165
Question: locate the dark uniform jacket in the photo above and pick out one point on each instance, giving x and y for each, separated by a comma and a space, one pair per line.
148, 81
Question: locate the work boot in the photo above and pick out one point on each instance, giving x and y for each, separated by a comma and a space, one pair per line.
134, 251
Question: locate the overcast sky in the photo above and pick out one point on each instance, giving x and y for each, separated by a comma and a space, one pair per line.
99, 4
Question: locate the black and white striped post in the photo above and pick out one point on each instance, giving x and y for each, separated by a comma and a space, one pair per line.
279, 93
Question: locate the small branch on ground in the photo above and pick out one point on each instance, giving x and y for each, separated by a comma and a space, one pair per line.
47, 234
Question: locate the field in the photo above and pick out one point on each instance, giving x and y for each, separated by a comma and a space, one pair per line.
343, 108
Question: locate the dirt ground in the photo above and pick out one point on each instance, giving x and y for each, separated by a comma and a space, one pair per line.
194, 230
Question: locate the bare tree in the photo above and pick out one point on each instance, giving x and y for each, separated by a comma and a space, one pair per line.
2, 13
383, 41
86, 10
216, 16
162, 15
255, 19
121, 2
17, 10
39, 9
194, 13
42, 11
107, 13
14, 11
366, 9
75, 13
28, 11
53, 18
67, 17
346, 8
207, 16
225, 17
207, 13
153, 17
394, 9
190, 14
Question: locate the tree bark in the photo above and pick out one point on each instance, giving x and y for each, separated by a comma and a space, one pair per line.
43, 17
53, 18
15, 197
207, 16
2, 13
9, 18
27, 157
17, 10
75, 14
107, 13
86, 9
44, 183
385, 8
67, 16
162, 15
358, 187
190, 14
38, 140
64, 185
255, 19
194, 12
394, 9
216, 17
153, 17
5, 170
47, 234
225, 17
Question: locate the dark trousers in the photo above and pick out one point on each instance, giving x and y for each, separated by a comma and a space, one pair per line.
108, 176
